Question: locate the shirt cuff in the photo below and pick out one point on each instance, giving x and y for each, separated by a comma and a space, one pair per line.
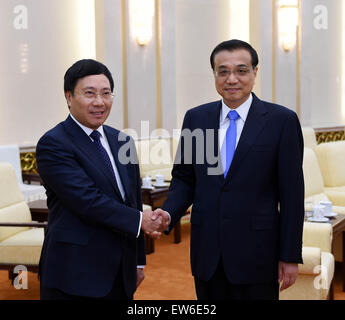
141, 218
140, 267
169, 217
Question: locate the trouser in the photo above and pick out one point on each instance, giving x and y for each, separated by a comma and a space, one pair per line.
219, 288
116, 293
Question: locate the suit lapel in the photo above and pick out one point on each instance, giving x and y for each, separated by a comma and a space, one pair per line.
115, 144
255, 122
213, 123
84, 144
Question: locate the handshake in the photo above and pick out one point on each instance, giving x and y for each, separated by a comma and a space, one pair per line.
155, 222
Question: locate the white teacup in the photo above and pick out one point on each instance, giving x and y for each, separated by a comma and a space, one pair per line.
159, 179
147, 182
328, 206
318, 212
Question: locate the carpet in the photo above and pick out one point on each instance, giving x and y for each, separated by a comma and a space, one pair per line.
167, 275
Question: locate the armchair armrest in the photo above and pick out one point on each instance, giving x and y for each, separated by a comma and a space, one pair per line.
327, 272
321, 266
311, 259
318, 235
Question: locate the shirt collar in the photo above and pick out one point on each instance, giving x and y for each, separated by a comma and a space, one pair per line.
242, 110
87, 130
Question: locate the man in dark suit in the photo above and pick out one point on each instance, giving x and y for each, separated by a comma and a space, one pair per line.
94, 244
248, 207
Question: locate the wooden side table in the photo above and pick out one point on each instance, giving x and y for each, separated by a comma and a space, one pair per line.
29, 177
338, 225
39, 210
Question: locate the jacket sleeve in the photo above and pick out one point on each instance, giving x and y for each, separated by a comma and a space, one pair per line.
181, 190
67, 179
291, 190
141, 255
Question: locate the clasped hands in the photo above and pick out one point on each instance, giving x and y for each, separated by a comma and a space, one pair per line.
155, 222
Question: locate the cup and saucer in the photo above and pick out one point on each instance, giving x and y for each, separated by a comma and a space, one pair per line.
328, 209
318, 214
160, 183
147, 183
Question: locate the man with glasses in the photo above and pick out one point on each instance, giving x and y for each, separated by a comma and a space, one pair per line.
247, 218
94, 243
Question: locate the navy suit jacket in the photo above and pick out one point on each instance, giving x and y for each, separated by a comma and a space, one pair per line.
254, 217
91, 230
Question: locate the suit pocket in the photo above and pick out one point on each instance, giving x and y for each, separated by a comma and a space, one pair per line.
70, 236
264, 222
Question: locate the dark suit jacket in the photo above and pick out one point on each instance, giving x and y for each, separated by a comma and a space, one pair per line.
254, 217
91, 230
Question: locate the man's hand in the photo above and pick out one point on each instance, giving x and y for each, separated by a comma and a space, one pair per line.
164, 215
287, 272
148, 224
159, 213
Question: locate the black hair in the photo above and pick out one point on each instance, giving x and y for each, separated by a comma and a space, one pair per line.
234, 44
83, 68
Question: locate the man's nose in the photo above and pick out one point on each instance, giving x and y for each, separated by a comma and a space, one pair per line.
232, 78
98, 100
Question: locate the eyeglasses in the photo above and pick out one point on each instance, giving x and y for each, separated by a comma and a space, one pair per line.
225, 73
91, 95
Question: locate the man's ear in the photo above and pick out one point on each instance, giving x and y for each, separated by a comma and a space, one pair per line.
68, 96
256, 70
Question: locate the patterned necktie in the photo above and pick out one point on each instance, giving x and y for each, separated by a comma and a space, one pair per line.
95, 135
230, 140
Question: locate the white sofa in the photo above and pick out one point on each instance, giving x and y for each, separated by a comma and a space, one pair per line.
315, 190
10, 153
331, 157
21, 238
309, 137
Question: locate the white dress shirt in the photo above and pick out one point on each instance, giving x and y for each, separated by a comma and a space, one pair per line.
106, 146
224, 121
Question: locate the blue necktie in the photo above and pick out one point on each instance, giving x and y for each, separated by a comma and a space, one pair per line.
230, 140
95, 135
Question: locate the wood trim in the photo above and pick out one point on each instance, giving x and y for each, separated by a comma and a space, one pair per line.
124, 62
99, 30
330, 129
329, 136
158, 64
298, 60
274, 51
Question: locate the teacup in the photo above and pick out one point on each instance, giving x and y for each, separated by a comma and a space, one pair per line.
328, 206
159, 179
147, 182
318, 212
